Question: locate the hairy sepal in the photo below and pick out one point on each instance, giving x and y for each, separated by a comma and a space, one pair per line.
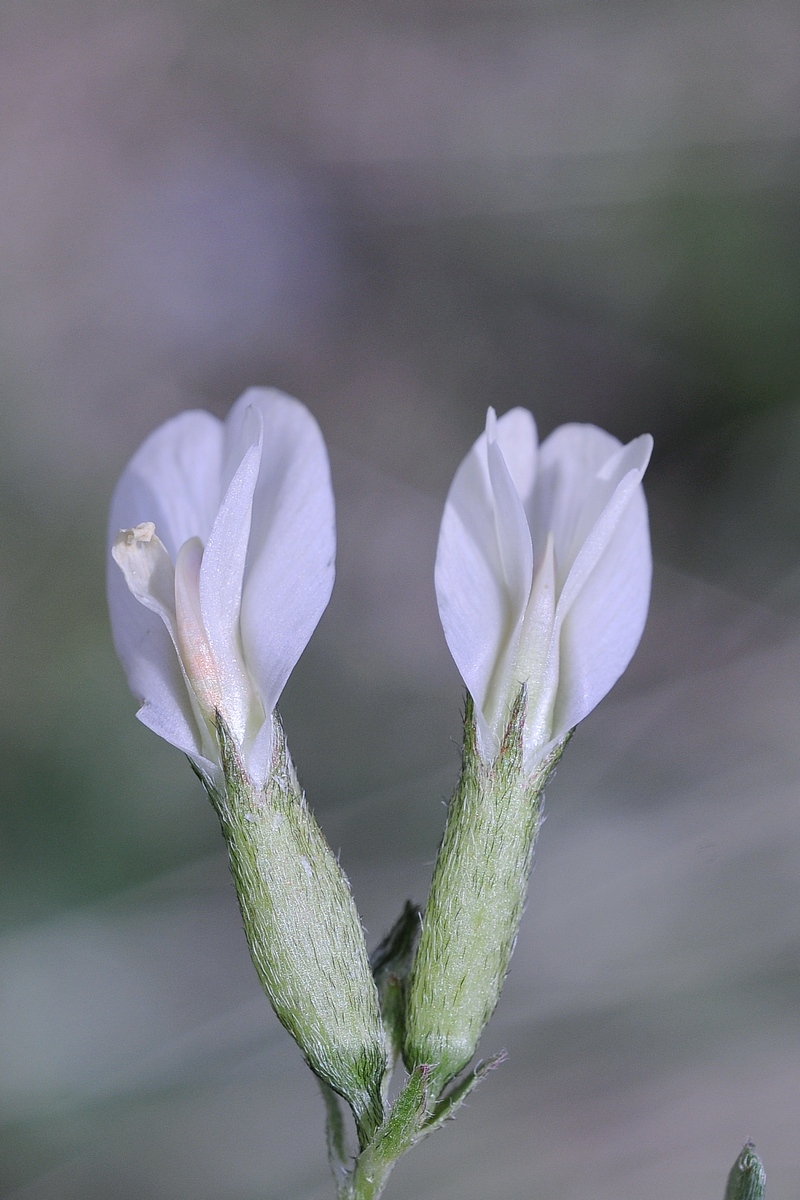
477, 897
302, 928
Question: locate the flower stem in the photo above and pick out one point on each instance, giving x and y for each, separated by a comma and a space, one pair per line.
369, 1187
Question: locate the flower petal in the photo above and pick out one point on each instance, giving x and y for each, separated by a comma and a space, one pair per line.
570, 491
537, 658
606, 616
517, 437
290, 562
483, 525
516, 555
148, 571
221, 584
511, 530
162, 721
605, 500
194, 648
172, 481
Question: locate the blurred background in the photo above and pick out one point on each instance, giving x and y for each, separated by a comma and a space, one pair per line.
401, 212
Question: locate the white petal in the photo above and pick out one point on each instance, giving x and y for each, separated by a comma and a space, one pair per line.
173, 481
606, 497
605, 620
221, 584
470, 587
148, 571
178, 733
511, 530
290, 563
194, 648
517, 438
151, 665
537, 661
571, 489
516, 556
479, 613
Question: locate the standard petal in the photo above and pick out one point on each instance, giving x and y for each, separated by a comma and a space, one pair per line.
600, 632
172, 481
606, 501
568, 496
290, 562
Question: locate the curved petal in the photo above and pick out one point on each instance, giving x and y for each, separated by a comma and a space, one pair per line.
290, 563
570, 492
516, 555
602, 628
607, 499
511, 530
173, 481
517, 437
484, 556
151, 666
584, 507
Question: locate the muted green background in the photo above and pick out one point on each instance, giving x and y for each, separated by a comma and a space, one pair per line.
402, 212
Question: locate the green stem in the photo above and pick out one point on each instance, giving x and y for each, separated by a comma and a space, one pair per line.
402, 1127
367, 1185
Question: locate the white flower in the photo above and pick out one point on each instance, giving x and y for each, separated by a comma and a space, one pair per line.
543, 572
223, 542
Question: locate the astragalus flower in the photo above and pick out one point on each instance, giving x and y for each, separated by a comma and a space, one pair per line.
543, 581
222, 560
223, 542
543, 573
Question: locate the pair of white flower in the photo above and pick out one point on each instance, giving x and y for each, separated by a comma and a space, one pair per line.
226, 546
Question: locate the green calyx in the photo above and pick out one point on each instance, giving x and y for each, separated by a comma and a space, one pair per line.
431, 985
748, 1179
302, 928
476, 901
